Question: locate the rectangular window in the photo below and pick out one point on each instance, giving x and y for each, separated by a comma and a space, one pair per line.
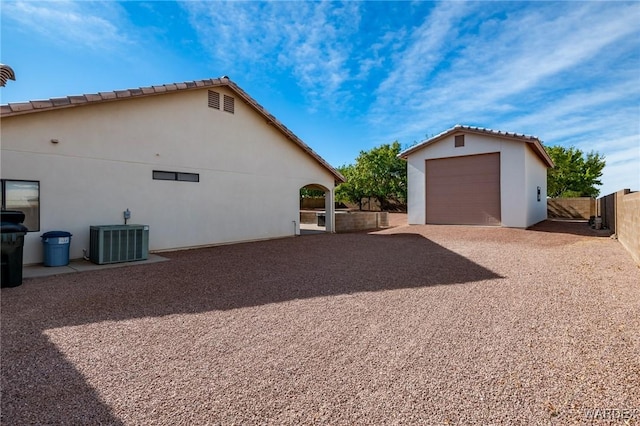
179, 176
189, 177
214, 99
228, 104
459, 141
23, 195
158, 175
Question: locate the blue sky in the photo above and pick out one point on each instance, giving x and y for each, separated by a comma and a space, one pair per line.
346, 77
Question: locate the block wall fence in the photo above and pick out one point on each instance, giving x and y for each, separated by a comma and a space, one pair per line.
571, 208
360, 221
351, 221
620, 213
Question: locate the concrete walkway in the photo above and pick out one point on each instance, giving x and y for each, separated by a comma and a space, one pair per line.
311, 228
81, 265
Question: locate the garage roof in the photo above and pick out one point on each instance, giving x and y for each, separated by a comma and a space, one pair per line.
21, 108
533, 141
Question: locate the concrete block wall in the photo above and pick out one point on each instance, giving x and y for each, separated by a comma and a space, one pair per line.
606, 208
628, 221
620, 213
308, 217
571, 208
359, 221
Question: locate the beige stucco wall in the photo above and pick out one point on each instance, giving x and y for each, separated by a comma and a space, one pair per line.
106, 153
520, 174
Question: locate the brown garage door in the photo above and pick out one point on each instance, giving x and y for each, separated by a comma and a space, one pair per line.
464, 190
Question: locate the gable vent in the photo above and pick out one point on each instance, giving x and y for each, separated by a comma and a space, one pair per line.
228, 104
214, 99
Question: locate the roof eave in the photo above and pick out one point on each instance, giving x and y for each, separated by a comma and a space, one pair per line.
42, 105
283, 129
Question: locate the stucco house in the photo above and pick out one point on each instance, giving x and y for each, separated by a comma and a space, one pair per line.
475, 176
200, 162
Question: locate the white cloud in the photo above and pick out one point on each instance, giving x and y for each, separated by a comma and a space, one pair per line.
502, 61
427, 45
584, 99
310, 40
93, 25
620, 176
566, 72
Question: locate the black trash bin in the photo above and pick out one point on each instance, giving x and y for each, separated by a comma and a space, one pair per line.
12, 234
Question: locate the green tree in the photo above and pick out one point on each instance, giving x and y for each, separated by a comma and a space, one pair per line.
575, 174
352, 190
378, 173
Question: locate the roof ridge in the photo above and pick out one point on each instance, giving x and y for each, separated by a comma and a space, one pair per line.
537, 143
47, 103
492, 131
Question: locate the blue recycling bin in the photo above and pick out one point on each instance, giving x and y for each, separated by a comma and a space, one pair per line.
56, 248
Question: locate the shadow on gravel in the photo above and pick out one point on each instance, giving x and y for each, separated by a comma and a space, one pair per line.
40, 386
569, 226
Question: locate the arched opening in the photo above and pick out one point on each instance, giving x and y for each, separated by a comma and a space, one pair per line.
316, 210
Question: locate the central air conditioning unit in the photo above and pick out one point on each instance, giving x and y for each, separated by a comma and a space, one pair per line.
118, 243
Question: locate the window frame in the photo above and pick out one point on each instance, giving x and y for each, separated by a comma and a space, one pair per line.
458, 141
176, 176
3, 199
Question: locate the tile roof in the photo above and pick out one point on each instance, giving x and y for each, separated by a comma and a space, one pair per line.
534, 142
20, 108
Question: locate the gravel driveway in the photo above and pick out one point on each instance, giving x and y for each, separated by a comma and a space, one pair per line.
411, 325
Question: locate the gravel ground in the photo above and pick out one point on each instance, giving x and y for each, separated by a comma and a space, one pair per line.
410, 325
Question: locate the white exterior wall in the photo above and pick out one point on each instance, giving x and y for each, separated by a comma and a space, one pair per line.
250, 173
536, 177
513, 197
416, 190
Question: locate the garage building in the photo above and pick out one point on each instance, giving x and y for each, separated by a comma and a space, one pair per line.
475, 176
